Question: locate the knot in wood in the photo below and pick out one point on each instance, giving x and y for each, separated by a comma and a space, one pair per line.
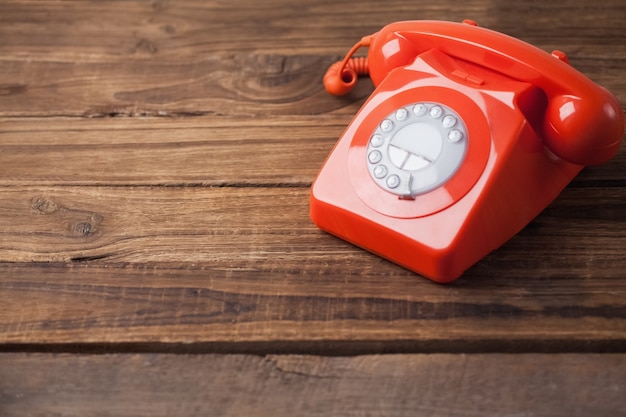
43, 205
86, 228
83, 228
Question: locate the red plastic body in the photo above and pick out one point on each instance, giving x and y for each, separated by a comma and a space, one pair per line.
532, 122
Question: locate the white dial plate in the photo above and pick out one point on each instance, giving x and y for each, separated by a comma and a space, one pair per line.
417, 148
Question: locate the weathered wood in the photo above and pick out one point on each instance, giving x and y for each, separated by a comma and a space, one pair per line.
155, 163
184, 152
226, 265
196, 224
241, 385
143, 29
242, 59
204, 309
279, 150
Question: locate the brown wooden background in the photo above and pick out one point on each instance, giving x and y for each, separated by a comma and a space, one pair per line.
156, 254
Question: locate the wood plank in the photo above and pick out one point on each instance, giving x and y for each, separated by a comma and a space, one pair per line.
246, 86
156, 308
266, 58
242, 385
96, 30
165, 224
196, 151
245, 265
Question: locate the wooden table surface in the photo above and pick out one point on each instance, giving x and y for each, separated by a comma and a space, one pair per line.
157, 256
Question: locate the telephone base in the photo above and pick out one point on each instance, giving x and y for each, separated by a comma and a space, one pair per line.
505, 178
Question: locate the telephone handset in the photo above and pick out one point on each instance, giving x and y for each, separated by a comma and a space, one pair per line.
468, 135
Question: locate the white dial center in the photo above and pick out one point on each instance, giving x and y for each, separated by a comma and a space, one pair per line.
415, 146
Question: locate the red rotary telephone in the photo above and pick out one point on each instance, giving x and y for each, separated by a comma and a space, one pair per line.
467, 137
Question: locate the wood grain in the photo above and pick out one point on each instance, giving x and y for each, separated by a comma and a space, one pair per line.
242, 385
156, 254
177, 152
242, 59
231, 265
72, 308
188, 151
196, 224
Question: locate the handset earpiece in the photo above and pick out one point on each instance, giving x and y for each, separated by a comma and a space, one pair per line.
341, 77
585, 129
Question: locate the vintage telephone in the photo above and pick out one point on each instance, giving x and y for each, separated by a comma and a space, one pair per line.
467, 137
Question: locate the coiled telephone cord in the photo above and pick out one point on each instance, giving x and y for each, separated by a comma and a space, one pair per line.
341, 77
